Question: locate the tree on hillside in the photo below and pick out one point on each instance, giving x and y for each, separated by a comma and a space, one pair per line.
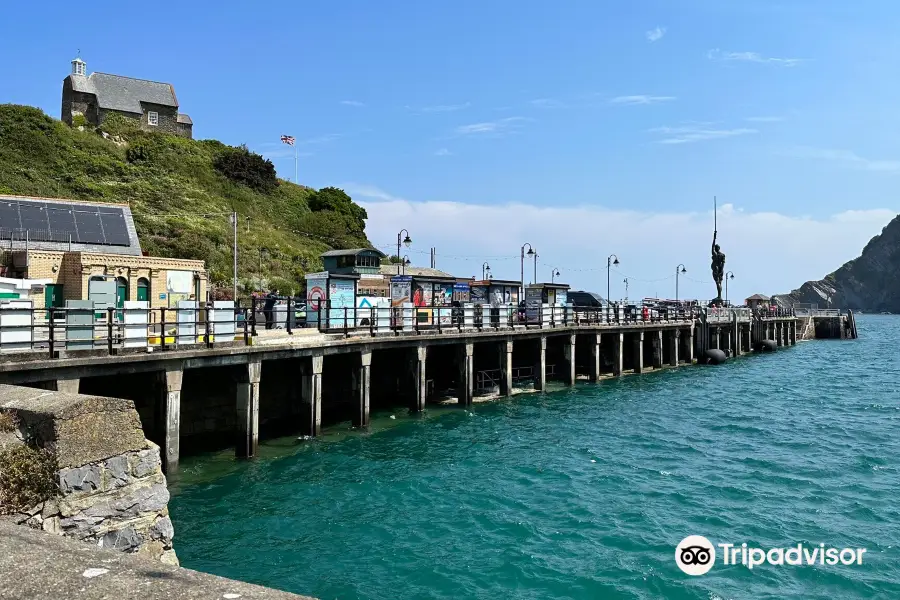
248, 168
336, 200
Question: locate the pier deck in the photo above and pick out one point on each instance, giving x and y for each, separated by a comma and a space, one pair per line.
292, 383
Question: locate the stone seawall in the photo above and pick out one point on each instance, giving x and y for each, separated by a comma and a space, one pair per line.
108, 485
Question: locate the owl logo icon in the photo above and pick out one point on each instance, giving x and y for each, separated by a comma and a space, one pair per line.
695, 555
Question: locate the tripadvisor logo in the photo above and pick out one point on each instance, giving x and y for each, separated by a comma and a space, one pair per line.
696, 555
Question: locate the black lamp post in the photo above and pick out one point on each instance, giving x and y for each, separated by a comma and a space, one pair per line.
486, 272
678, 270
406, 241
553, 275
611, 260
405, 262
531, 252
728, 275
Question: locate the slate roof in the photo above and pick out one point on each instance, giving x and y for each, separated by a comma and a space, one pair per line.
124, 94
351, 252
183, 118
758, 297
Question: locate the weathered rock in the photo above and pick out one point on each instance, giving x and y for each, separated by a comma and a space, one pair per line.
79, 479
162, 529
126, 540
82, 429
112, 490
146, 462
117, 472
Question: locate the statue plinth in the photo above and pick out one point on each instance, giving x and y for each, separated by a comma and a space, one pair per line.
716, 302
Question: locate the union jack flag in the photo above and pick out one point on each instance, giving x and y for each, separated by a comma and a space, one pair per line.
288, 139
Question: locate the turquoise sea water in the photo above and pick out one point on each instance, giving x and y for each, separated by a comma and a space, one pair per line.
581, 493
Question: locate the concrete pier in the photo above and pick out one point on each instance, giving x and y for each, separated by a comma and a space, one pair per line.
247, 379
236, 394
639, 352
506, 368
364, 381
618, 345
170, 384
569, 376
596, 356
420, 379
466, 391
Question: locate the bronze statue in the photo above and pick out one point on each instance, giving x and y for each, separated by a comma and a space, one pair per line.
718, 268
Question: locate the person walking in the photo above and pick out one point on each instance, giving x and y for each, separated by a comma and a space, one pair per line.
271, 297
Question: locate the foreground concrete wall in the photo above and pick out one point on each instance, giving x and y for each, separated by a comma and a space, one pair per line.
34, 564
111, 490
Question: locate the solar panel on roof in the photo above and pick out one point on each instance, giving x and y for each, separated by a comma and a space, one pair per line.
90, 231
62, 223
114, 228
59, 222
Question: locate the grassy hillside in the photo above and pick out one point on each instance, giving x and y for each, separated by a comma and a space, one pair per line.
179, 198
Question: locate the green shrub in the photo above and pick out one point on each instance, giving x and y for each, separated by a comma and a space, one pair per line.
27, 477
117, 124
79, 120
139, 151
248, 168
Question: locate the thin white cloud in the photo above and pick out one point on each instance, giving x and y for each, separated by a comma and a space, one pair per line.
547, 103
442, 152
441, 108
847, 158
498, 127
352, 103
764, 119
656, 34
690, 134
641, 99
467, 234
754, 57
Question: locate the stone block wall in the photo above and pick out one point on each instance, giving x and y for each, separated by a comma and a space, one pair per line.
111, 489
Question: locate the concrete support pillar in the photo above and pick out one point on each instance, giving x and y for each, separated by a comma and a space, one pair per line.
618, 344
736, 337
717, 338
595, 358
248, 409
68, 386
170, 387
657, 341
364, 380
778, 337
787, 333
793, 333
466, 374
639, 352
506, 369
674, 340
690, 346
419, 365
570, 360
749, 344
540, 365
312, 395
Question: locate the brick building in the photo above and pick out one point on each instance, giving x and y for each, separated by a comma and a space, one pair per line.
62, 246
94, 96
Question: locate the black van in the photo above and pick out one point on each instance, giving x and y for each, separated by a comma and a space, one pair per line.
585, 299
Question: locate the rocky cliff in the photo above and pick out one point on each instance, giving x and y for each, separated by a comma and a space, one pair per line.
870, 283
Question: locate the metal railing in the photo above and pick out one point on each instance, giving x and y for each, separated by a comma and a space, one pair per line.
58, 330
817, 312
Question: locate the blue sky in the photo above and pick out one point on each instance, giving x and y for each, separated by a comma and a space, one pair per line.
582, 127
